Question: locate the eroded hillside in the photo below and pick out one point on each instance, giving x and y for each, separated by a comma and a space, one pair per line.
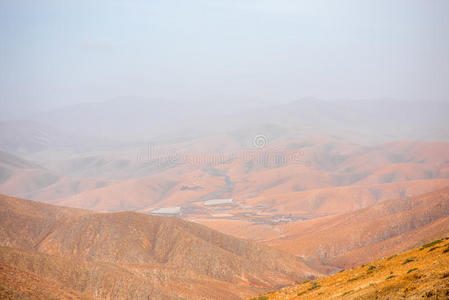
64, 251
361, 236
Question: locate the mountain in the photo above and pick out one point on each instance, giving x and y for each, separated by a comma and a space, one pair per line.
330, 177
370, 121
31, 137
293, 209
269, 201
23, 178
420, 273
19, 176
363, 235
67, 252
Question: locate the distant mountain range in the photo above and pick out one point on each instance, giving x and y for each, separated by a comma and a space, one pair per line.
140, 119
322, 185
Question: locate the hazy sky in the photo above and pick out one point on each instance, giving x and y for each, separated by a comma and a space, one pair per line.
62, 52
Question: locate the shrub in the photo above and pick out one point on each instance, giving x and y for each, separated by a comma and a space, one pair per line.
411, 270
392, 256
354, 278
389, 277
314, 286
430, 244
259, 298
410, 259
429, 294
301, 293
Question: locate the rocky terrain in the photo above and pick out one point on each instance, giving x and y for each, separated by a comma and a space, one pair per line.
56, 252
380, 230
330, 201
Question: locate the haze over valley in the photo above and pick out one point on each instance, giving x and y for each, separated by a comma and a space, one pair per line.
224, 150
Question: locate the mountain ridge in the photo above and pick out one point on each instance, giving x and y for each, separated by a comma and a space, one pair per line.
137, 243
356, 237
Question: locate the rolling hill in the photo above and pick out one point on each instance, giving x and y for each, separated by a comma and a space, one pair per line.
323, 164
363, 235
374, 121
22, 178
270, 201
65, 252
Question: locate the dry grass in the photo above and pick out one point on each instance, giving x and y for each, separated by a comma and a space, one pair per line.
415, 274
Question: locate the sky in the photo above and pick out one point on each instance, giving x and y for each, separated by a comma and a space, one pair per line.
56, 53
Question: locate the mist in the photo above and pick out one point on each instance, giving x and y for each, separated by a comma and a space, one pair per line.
56, 54
224, 149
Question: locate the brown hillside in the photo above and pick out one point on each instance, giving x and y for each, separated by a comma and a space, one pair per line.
190, 259
319, 164
22, 178
363, 235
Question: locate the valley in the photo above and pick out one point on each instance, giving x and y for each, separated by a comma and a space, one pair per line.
224, 150
222, 218
68, 253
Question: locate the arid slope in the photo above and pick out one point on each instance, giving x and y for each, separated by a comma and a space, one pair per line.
132, 254
382, 229
421, 273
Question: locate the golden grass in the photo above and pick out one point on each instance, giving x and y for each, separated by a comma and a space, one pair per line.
416, 274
